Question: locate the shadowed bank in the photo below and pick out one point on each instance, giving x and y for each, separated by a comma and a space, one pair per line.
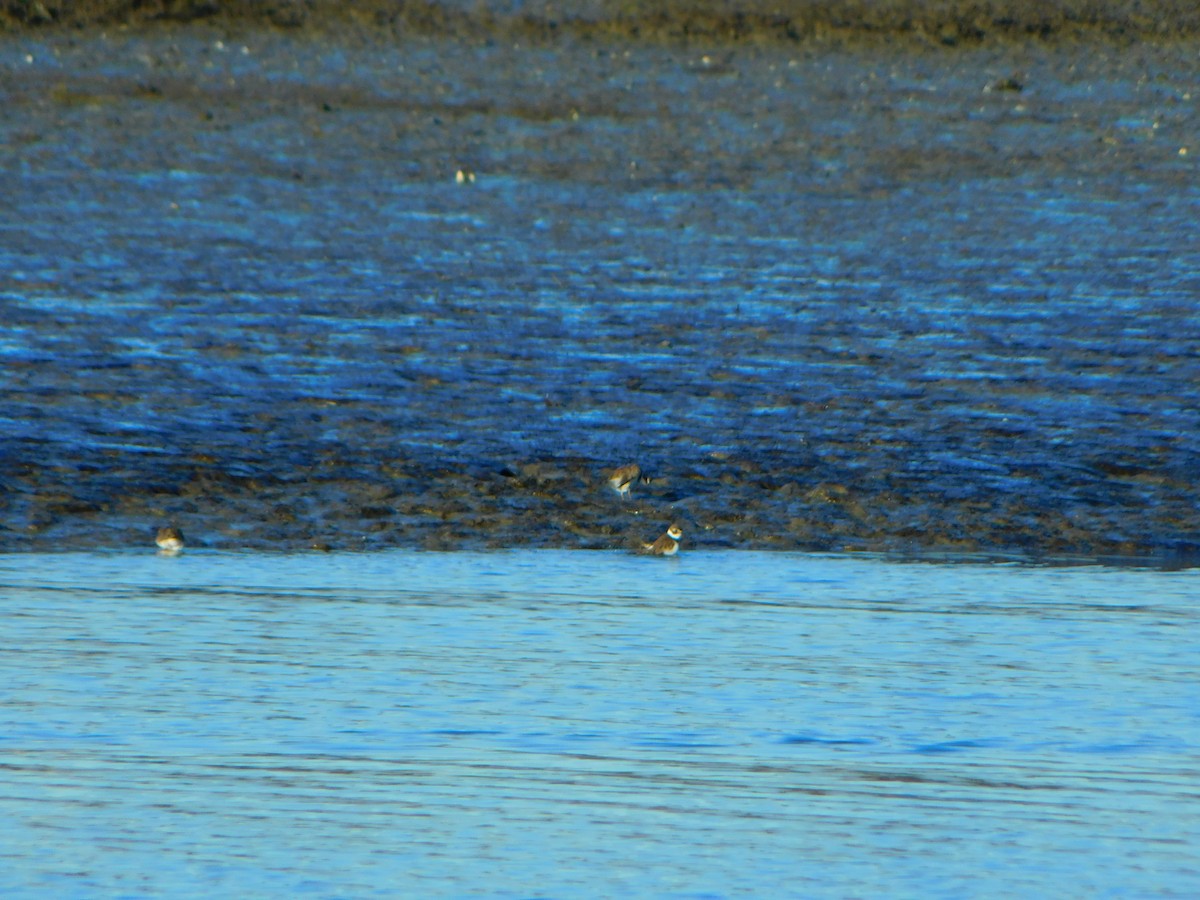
790, 20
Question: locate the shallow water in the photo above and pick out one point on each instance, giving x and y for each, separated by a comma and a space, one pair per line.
547, 723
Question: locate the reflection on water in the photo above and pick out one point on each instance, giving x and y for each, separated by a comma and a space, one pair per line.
566, 724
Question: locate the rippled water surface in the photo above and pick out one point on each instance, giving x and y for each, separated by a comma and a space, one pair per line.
546, 723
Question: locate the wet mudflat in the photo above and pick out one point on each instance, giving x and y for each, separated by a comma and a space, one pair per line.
827, 297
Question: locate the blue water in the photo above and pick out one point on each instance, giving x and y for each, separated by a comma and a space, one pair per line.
561, 724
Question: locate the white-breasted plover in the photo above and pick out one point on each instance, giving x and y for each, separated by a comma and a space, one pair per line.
667, 544
169, 539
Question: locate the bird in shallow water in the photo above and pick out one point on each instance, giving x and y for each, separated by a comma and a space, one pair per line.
623, 477
169, 539
667, 544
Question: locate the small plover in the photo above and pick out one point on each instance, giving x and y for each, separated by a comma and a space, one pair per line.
169, 539
623, 477
667, 544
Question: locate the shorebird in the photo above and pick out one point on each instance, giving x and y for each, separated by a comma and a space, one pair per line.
667, 544
623, 477
169, 539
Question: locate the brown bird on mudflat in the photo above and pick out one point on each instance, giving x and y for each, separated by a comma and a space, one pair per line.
667, 544
623, 477
169, 539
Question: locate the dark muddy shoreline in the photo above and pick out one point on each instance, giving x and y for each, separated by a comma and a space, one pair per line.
887, 299
949, 23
